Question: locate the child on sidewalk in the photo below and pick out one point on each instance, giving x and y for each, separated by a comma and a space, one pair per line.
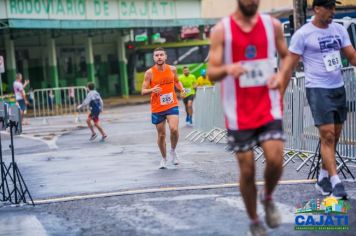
95, 103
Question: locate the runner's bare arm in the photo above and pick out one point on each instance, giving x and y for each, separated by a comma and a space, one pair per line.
285, 73
85, 102
282, 51
281, 44
350, 54
146, 84
217, 70
288, 60
26, 83
177, 83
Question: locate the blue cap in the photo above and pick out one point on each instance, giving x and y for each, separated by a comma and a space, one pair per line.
203, 72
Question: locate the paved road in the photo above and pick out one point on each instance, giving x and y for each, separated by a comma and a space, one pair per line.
59, 163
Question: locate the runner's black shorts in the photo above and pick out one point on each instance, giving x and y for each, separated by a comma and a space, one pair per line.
246, 140
328, 106
189, 98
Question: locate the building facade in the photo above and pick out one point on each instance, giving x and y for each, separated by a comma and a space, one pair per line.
59, 43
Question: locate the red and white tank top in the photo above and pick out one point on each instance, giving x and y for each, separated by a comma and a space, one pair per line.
249, 104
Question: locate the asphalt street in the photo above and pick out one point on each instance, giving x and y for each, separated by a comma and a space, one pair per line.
115, 187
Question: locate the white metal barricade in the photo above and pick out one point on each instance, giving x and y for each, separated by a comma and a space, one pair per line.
57, 101
301, 135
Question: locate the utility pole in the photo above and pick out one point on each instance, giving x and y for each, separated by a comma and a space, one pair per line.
299, 13
299, 19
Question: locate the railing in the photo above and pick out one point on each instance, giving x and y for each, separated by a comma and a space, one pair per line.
301, 135
8, 97
57, 101
208, 116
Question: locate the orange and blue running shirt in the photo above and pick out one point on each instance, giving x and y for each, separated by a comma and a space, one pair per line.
167, 99
248, 102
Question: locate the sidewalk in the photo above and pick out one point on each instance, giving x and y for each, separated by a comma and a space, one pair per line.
120, 101
112, 102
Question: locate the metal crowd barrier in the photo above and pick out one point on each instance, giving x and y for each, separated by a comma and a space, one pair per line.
302, 136
57, 101
208, 116
8, 97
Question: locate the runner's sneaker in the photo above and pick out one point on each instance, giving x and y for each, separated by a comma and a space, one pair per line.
93, 136
190, 122
103, 138
324, 186
163, 164
339, 192
273, 216
175, 158
257, 230
187, 120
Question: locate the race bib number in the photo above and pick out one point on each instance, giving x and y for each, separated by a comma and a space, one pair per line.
188, 90
258, 72
332, 61
166, 98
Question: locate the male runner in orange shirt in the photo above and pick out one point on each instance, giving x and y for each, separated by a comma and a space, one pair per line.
159, 81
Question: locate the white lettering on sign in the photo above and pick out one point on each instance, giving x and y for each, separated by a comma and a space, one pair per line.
139, 9
102, 9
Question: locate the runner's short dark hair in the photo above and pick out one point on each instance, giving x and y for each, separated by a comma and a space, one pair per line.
91, 86
159, 49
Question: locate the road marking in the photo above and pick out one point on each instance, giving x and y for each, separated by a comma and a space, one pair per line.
142, 212
237, 202
21, 225
164, 189
181, 198
50, 143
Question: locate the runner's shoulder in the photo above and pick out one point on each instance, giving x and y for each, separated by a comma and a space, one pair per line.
149, 71
276, 23
148, 74
173, 68
217, 32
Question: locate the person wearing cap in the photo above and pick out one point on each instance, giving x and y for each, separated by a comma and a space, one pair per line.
319, 44
203, 80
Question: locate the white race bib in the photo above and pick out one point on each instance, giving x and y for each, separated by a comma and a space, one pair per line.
258, 73
166, 99
188, 90
332, 61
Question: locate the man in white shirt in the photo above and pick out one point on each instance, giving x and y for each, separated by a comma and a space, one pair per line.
20, 95
319, 44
